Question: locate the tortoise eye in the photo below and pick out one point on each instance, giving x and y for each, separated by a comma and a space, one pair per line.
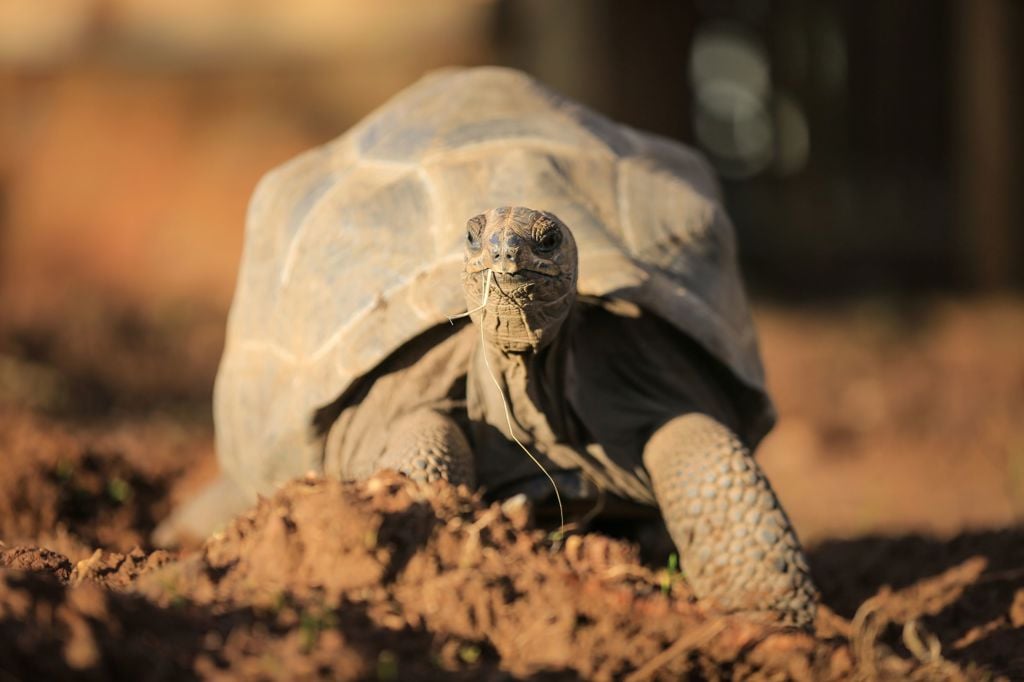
474, 226
549, 242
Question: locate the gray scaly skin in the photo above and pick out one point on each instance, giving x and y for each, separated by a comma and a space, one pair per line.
428, 446
736, 544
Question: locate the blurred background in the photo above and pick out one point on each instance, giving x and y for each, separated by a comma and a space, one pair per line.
869, 151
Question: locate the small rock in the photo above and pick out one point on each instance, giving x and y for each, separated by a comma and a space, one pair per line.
517, 510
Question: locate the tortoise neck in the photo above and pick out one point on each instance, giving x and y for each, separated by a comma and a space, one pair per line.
532, 384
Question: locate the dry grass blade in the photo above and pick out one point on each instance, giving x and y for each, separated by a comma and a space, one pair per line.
928, 650
508, 412
931, 653
867, 625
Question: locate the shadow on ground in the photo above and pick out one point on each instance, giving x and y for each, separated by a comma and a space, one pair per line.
968, 591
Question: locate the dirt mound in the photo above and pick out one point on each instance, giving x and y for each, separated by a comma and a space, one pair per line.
435, 560
912, 537
392, 580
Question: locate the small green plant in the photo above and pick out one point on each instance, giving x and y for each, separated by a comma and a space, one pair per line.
387, 666
65, 470
119, 490
469, 653
671, 574
169, 584
279, 602
312, 623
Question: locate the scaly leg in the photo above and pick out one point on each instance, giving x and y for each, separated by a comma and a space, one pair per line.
427, 446
736, 544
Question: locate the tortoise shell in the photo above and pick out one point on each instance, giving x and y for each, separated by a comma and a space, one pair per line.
354, 248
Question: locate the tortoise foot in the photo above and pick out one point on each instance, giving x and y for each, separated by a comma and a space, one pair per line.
736, 544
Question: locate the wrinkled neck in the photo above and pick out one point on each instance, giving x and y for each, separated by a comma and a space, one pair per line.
532, 383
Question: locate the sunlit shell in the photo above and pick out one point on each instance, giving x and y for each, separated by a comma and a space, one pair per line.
355, 247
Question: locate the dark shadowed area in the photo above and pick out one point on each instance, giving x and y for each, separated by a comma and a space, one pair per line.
870, 161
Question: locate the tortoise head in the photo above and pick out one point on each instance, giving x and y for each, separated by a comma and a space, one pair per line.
526, 262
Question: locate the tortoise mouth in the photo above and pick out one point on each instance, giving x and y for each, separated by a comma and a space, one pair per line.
520, 289
521, 286
518, 275
523, 311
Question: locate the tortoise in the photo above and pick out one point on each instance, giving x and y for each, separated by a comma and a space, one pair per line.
609, 337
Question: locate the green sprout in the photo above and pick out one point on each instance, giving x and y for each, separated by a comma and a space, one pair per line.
671, 573
387, 666
65, 470
119, 490
312, 624
469, 653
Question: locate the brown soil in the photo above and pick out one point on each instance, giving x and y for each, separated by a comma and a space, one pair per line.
909, 509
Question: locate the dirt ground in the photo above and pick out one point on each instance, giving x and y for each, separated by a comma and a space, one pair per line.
900, 455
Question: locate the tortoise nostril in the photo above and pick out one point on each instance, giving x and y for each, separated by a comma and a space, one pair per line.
504, 253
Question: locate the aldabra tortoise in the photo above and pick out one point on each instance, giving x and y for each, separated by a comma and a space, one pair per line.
610, 335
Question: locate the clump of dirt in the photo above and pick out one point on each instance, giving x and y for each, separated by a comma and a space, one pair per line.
394, 580
36, 559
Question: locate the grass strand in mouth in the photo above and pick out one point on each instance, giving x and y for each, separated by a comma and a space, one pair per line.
504, 399
483, 302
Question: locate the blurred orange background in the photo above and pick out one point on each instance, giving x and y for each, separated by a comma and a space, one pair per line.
132, 133
862, 150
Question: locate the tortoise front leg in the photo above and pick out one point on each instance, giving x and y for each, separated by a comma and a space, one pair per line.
735, 542
427, 446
